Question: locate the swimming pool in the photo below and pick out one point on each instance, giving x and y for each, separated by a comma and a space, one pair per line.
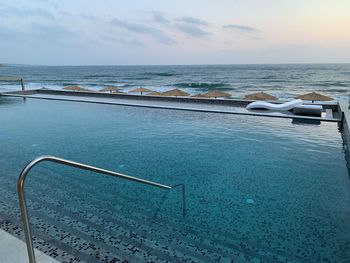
256, 188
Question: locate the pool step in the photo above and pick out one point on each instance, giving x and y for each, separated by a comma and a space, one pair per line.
198, 231
164, 240
68, 241
153, 232
75, 236
179, 237
224, 242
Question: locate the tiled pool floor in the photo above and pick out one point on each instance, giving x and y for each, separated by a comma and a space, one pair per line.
162, 239
224, 176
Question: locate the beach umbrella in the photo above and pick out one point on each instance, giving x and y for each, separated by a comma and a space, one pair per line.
260, 96
199, 95
141, 90
109, 89
175, 92
314, 96
44, 88
75, 88
117, 92
216, 94
155, 93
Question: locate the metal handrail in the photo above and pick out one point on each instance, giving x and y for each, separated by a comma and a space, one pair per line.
30, 165
13, 78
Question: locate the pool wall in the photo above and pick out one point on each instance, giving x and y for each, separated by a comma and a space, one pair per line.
228, 102
344, 108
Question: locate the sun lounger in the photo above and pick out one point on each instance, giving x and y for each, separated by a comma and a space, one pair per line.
272, 106
296, 105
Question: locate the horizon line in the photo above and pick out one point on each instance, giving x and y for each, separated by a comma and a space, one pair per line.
150, 65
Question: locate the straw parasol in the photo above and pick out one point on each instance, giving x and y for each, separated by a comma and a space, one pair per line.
109, 89
199, 95
260, 96
175, 92
117, 92
155, 93
75, 88
314, 96
141, 90
216, 93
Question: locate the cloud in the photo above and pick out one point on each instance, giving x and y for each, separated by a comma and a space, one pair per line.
50, 3
50, 31
8, 34
241, 28
191, 27
38, 33
123, 41
193, 20
256, 38
89, 17
193, 31
146, 30
160, 18
26, 12
64, 13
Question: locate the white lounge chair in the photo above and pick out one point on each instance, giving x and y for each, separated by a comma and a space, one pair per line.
272, 106
296, 105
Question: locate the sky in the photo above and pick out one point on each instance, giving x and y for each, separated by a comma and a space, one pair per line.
164, 32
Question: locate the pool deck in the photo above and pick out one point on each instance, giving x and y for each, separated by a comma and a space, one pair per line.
224, 106
14, 250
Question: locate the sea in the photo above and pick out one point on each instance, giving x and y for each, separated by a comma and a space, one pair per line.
284, 81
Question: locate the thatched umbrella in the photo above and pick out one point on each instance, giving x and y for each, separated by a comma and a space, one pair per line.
117, 92
44, 88
314, 96
155, 93
110, 89
141, 90
216, 94
199, 95
260, 96
75, 88
175, 92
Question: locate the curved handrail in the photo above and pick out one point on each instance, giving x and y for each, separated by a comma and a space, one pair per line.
30, 165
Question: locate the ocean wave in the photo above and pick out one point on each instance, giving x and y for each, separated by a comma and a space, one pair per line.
138, 78
337, 90
159, 74
202, 85
70, 84
99, 76
331, 84
268, 77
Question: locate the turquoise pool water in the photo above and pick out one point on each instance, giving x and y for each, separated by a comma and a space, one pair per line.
257, 189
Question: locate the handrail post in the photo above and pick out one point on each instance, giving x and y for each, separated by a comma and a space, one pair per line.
22, 84
22, 199
24, 213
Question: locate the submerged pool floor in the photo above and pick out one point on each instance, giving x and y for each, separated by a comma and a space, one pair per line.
257, 189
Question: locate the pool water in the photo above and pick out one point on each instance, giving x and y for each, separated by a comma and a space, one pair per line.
257, 188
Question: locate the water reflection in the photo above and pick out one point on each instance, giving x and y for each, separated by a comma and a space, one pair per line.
305, 121
6, 101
